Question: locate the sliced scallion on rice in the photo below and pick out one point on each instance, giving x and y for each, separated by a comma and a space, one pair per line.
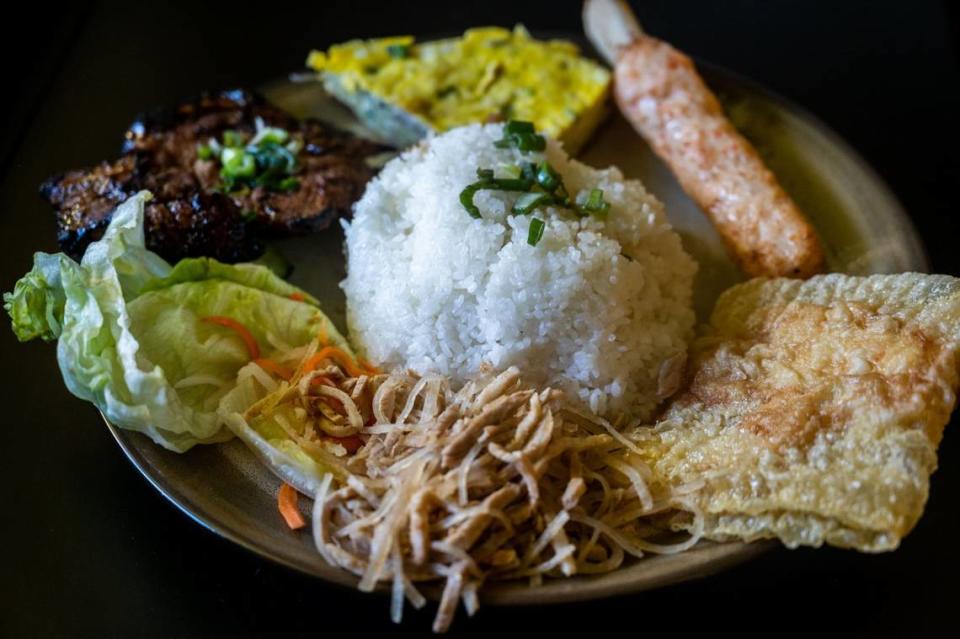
541, 184
527, 202
547, 177
519, 134
535, 234
595, 204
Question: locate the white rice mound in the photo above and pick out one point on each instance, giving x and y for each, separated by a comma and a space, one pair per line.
594, 309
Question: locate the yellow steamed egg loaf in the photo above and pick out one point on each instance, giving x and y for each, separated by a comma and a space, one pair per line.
404, 90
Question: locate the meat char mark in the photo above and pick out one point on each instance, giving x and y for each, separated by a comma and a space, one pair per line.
190, 214
84, 200
331, 169
181, 221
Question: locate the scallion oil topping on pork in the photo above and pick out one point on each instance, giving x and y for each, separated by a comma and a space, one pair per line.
226, 170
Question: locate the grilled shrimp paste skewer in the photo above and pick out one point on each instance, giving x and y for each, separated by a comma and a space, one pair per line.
660, 92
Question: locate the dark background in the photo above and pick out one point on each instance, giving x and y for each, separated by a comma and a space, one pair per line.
89, 549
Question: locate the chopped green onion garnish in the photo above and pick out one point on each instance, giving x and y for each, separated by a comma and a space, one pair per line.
248, 216
288, 184
398, 51
270, 134
529, 171
535, 234
532, 143
488, 183
525, 143
527, 202
521, 135
294, 146
232, 138
510, 184
273, 159
540, 184
519, 127
595, 204
511, 170
230, 154
547, 177
237, 163
268, 160
466, 199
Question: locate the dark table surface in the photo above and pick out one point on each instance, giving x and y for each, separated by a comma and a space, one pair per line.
91, 550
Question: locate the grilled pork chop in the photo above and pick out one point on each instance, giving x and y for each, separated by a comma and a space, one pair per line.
192, 214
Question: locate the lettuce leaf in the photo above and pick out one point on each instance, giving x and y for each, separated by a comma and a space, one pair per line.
251, 275
36, 304
269, 442
131, 339
302, 468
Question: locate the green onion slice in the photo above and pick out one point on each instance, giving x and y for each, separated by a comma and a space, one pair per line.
510, 184
541, 185
237, 164
488, 183
547, 177
595, 204
511, 170
519, 127
535, 234
466, 199
521, 135
232, 138
273, 159
270, 134
294, 146
288, 184
527, 202
529, 171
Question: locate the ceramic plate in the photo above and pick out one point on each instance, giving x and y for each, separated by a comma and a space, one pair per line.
862, 225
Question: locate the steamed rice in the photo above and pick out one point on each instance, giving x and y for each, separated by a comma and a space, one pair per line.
595, 309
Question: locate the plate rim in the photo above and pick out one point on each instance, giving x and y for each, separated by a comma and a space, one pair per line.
728, 554
497, 593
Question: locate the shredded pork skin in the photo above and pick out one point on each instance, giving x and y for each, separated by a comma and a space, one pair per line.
495, 481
